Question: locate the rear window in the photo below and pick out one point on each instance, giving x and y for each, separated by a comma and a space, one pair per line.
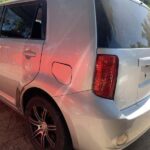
122, 24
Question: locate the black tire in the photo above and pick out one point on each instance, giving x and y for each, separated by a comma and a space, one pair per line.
46, 126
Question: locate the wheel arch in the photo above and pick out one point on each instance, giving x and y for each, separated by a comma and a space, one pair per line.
29, 93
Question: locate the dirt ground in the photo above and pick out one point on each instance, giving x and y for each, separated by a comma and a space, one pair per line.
13, 133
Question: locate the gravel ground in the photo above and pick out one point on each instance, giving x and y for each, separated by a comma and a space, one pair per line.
13, 133
12, 130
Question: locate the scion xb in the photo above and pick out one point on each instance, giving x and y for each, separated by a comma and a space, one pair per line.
78, 70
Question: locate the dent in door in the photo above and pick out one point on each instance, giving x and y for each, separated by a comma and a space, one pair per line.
62, 72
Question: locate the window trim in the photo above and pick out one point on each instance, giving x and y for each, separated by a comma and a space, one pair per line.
44, 18
1, 18
43, 5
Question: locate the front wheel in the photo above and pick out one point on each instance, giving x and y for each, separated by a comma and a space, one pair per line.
46, 127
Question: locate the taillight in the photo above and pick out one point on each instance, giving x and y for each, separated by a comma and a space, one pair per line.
106, 76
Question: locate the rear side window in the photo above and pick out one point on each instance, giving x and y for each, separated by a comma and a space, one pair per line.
18, 20
1, 12
122, 24
37, 25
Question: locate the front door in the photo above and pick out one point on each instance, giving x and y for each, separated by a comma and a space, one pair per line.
21, 47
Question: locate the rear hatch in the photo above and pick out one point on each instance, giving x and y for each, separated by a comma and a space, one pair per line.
123, 29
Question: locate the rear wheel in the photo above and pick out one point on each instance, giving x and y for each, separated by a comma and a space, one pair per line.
46, 127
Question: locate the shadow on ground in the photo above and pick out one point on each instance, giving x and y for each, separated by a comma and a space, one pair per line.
13, 133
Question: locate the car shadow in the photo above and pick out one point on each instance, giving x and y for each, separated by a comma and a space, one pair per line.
13, 132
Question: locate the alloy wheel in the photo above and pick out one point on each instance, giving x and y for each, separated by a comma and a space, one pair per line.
43, 128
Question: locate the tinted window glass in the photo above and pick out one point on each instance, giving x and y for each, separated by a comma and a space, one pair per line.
18, 20
37, 27
122, 24
1, 11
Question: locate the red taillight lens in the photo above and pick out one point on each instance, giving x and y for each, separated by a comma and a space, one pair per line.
106, 76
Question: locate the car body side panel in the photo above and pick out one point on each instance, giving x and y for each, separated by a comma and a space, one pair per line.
11, 72
16, 69
97, 122
71, 40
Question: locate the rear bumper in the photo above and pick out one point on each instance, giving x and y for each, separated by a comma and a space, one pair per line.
96, 123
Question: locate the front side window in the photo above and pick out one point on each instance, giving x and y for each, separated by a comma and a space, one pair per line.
18, 21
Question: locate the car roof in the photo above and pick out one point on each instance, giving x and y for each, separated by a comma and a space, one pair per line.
6, 2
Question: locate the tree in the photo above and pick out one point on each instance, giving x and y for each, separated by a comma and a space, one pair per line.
146, 2
3, 1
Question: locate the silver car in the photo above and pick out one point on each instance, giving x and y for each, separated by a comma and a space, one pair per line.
78, 70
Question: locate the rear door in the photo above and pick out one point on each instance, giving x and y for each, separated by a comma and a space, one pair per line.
144, 77
144, 61
21, 47
124, 30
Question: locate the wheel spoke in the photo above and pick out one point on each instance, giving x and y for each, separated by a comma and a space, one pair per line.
51, 128
43, 141
33, 122
36, 113
41, 133
50, 141
37, 132
44, 113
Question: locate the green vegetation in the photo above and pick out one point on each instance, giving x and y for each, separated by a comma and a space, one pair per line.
3, 1
146, 2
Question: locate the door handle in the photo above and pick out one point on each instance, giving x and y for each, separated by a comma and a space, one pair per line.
29, 53
144, 62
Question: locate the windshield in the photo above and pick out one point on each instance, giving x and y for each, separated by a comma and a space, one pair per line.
122, 24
